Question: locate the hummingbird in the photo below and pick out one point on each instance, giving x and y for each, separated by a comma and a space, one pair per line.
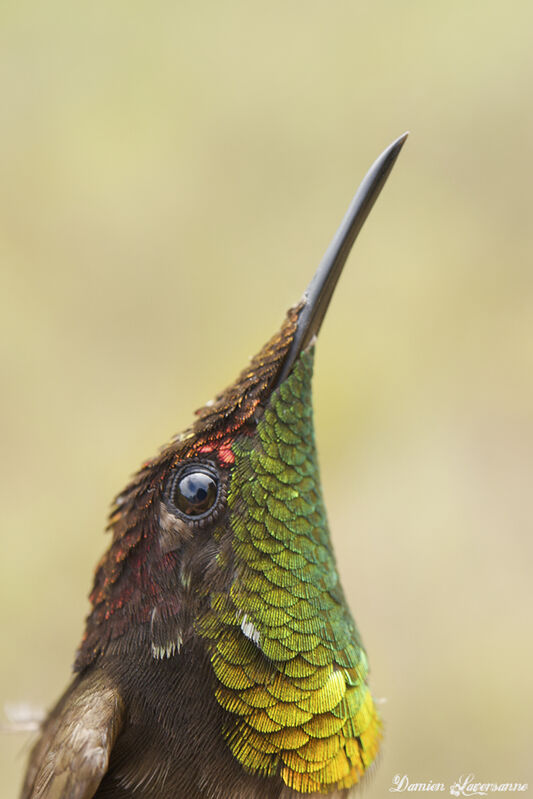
220, 659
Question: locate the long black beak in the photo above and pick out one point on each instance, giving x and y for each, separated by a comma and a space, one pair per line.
320, 290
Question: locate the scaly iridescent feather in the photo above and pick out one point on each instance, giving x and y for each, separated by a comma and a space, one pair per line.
284, 647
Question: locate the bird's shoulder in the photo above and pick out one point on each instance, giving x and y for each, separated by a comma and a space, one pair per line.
72, 754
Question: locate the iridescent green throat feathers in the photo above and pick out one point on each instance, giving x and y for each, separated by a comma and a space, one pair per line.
220, 659
284, 647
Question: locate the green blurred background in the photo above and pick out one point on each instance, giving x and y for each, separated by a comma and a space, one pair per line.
170, 175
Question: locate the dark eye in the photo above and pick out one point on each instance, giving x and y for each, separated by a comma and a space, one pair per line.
195, 491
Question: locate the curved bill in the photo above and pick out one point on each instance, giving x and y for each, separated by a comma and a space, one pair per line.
320, 290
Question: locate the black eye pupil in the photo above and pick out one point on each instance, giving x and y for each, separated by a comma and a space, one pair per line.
195, 493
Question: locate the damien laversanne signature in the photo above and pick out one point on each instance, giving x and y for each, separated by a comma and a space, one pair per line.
464, 786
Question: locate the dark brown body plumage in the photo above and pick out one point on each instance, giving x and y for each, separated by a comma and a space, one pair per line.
160, 708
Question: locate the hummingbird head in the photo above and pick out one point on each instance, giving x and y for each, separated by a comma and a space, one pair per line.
173, 528
172, 545
223, 537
